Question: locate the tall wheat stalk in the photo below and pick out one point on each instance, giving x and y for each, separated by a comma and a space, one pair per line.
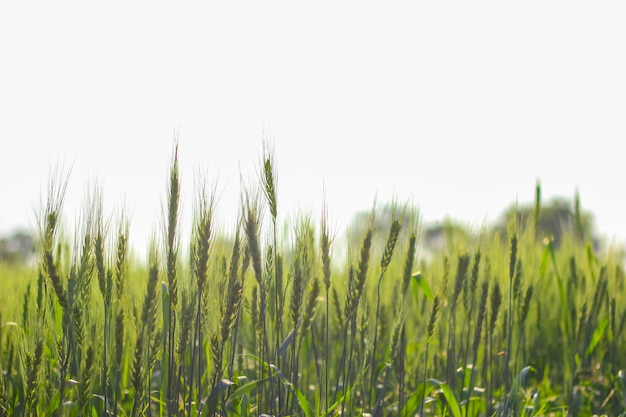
251, 222
171, 253
325, 245
356, 288
105, 284
144, 348
509, 344
202, 234
482, 312
432, 323
229, 311
268, 186
494, 309
392, 239
470, 285
48, 228
409, 260
459, 282
121, 269
301, 269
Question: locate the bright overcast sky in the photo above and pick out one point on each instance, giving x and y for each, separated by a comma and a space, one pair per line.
458, 106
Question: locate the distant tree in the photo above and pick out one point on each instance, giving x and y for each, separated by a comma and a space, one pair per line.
17, 248
383, 215
442, 234
433, 237
558, 218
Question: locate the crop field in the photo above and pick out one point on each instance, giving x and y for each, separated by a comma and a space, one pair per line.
270, 320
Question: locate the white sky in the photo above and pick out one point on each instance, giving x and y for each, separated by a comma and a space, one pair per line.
458, 106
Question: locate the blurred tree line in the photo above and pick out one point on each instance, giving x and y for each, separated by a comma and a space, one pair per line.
556, 219
19, 247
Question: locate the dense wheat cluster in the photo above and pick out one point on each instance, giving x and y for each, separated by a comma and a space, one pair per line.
261, 321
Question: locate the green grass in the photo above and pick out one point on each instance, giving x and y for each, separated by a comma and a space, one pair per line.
259, 321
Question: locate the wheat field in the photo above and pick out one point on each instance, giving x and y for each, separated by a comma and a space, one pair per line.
267, 320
